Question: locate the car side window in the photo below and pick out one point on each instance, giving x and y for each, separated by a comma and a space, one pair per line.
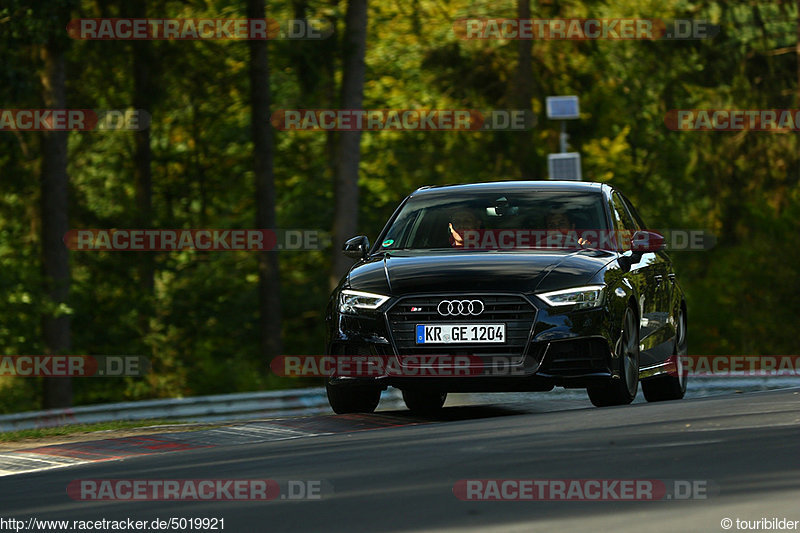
633, 213
623, 223
621, 213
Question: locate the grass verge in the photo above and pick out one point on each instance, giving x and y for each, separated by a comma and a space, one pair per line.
77, 429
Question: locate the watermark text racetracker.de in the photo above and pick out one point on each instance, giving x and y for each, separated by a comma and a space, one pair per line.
583, 489
193, 29
733, 120
74, 120
73, 366
198, 489
454, 120
737, 366
433, 366
582, 29
212, 239
560, 238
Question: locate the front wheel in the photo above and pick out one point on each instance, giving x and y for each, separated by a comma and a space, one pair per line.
424, 402
352, 399
622, 391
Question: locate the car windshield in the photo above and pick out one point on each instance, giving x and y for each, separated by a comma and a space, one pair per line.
474, 219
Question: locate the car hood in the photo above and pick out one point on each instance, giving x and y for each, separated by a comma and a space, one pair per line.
402, 273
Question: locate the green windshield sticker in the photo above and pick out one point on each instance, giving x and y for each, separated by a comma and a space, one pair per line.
388, 242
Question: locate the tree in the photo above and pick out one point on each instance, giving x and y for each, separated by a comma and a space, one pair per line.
522, 92
268, 271
143, 91
55, 222
348, 153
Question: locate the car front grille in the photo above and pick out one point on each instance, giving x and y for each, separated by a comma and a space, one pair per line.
514, 311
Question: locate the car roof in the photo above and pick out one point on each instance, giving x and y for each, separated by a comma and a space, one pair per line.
506, 186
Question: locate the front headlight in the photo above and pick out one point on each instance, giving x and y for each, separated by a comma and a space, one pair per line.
349, 301
579, 297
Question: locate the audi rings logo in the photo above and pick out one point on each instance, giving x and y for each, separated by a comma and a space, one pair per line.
460, 307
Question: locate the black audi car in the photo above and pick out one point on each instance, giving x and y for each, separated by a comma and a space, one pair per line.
522, 285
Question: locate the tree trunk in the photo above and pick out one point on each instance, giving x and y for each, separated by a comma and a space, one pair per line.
329, 72
345, 217
268, 272
143, 61
55, 223
522, 94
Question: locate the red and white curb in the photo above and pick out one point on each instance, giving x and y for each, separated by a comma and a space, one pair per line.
76, 453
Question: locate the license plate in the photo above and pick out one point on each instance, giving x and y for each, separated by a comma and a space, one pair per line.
460, 333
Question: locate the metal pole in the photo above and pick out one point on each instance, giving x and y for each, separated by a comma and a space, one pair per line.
563, 137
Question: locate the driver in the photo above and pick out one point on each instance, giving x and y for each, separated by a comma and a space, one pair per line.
463, 219
558, 221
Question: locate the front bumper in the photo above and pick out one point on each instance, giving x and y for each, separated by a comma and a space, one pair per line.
547, 347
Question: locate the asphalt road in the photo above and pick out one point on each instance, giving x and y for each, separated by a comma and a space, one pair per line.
744, 447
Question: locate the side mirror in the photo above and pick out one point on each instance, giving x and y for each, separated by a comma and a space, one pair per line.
357, 247
647, 241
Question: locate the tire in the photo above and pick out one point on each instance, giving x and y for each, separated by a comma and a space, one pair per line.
622, 391
424, 402
664, 388
352, 399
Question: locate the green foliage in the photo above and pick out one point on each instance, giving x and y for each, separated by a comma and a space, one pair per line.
199, 325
